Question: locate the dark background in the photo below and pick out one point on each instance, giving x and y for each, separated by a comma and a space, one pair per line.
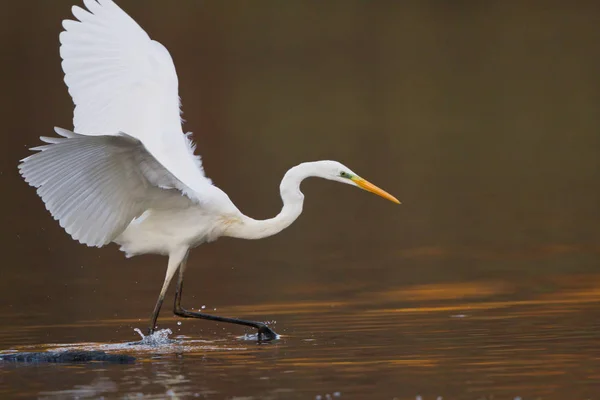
481, 117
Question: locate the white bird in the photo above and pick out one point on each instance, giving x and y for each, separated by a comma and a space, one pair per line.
127, 173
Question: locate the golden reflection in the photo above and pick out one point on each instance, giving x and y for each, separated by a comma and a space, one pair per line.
482, 295
484, 306
448, 291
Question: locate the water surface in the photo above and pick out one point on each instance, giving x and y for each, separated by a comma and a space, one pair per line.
481, 118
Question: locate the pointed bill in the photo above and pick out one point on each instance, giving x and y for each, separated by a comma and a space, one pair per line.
369, 187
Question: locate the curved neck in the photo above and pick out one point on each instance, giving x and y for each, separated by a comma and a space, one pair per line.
292, 198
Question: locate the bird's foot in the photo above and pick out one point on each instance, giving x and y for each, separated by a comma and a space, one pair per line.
266, 334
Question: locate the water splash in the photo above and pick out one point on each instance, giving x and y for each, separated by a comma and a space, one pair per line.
158, 338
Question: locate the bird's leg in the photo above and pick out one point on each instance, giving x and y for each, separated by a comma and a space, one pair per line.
175, 260
157, 307
264, 332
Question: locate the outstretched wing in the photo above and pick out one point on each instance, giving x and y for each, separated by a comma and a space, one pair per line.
122, 81
96, 185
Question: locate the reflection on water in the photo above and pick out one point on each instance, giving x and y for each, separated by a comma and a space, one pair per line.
456, 340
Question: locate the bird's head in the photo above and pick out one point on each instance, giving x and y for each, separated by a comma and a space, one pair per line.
337, 171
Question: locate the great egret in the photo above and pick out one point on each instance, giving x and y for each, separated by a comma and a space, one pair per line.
127, 173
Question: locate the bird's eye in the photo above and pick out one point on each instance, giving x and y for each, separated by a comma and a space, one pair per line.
345, 175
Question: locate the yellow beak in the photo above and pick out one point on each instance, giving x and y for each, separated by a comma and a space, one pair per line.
369, 187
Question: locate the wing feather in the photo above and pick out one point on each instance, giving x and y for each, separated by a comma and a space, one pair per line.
96, 185
123, 81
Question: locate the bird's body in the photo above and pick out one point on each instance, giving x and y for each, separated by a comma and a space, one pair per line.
168, 226
162, 231
127, 173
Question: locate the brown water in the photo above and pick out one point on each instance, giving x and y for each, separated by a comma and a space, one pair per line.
481, 118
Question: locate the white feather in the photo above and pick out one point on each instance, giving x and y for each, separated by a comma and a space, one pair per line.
122, 81
120, 176
96, 185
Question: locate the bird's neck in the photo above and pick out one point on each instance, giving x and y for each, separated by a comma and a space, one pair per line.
292, 198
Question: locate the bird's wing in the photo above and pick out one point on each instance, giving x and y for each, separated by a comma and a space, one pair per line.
96, 185
122, 81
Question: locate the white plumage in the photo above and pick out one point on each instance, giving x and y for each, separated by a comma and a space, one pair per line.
127, 173
122, 81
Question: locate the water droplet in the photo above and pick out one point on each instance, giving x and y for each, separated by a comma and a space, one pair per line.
179, 323
139, 332
203, 307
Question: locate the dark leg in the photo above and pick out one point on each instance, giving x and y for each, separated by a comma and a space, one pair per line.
264, 332
176, 259
155, 313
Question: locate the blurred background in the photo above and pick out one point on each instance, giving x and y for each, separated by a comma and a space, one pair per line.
481, 117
